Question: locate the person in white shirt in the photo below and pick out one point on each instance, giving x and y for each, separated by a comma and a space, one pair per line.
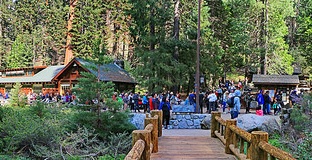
212, 98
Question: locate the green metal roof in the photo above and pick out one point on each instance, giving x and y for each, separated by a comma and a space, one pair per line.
108, 72
46, 75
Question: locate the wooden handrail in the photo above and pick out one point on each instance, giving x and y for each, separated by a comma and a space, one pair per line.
220, 120
274, 151
136, 151
242, 133
236, 139
145, 142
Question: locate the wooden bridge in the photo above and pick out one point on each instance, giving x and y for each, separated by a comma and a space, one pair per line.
190, 147
226, 141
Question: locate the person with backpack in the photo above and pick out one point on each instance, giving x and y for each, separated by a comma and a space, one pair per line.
136, 97
165, 107
172, 99
276, 107
235, 104
279, 98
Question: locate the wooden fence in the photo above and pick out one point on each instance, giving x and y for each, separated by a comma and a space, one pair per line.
145, 142
244, 145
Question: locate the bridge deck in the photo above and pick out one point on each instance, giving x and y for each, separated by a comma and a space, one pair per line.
187, 147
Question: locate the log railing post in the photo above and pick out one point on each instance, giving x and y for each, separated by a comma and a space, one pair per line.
229, 135
154, 133
255, 152
160, 118
214, 123
146, 137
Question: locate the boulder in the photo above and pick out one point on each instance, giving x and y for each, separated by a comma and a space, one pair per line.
206, 122
137, 120
252, 122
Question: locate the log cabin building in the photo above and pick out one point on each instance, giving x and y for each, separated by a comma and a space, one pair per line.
274, 83
62, 78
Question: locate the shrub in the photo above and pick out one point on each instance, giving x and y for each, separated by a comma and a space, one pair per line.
304, 150
110, 123
84, 144
21, 129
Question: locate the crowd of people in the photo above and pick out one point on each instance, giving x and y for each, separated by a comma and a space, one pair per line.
135, 102
67, 97
228, 97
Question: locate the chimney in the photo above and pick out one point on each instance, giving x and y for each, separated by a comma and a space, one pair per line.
120, 63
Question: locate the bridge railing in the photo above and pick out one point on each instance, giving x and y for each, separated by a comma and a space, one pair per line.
145, 142
244, 145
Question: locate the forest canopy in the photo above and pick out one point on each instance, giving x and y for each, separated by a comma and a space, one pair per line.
157, 39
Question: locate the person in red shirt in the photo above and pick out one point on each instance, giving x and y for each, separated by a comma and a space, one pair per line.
150, 101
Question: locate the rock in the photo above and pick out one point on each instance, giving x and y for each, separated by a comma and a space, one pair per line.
183, 124
206, 122
183, 108
137, 120
251, 122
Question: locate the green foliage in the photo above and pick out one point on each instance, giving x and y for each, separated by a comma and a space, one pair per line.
304, 150
35, 39
83, 144
6, 157
296, 135
275, 140
17, 99
74, 145
111, 123
21, 130
279, 61
20, 54
109, 157
301, 115
109, 22
304, 32
43, 131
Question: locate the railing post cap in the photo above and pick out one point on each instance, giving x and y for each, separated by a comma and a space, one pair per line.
215, 112
231, 120
259, 132
139, 131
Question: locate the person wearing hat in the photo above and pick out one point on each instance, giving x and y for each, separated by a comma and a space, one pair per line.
172, 99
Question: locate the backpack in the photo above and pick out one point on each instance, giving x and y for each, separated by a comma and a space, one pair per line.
230, 102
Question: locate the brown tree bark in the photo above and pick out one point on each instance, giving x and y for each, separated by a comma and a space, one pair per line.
69, 49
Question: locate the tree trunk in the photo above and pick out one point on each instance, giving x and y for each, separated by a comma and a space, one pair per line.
264, 37
152, 29
176, 28
69, 49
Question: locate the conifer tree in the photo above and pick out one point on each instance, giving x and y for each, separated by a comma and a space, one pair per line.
17, 99
20, 54
90, 88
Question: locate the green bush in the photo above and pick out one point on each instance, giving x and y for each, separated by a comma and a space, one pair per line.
84, 144
111, 123
300, 120
304, 150
6, 157
21, 130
